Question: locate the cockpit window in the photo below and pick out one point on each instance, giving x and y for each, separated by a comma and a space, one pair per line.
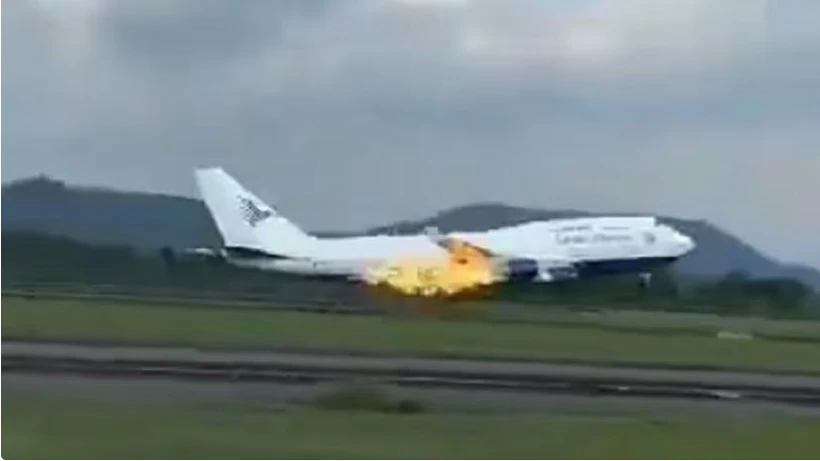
649, 238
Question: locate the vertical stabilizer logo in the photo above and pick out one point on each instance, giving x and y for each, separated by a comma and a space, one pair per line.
251, 213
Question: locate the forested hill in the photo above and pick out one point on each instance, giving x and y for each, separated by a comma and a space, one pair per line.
105, 216
152, 220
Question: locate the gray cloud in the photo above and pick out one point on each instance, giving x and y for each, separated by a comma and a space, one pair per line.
358, 112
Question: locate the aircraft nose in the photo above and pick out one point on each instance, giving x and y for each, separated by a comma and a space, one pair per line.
686, 242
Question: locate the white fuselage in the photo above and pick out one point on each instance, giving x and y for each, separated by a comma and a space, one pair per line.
585, 240
257, 236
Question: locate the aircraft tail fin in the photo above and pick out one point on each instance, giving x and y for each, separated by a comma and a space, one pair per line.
245, 221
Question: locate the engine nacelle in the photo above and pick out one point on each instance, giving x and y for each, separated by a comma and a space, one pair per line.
213, 255
532, 270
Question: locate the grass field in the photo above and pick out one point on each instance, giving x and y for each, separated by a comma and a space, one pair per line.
215, 327
49, 428
600, 317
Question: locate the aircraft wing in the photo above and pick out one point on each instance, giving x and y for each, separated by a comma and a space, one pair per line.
454, 244
544, 267
458, 246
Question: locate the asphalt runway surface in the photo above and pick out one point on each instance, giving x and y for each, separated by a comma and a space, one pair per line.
162, 391
329, 361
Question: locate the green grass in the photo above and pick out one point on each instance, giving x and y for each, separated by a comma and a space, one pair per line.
694, 323
640, 321
364, 396
50, 428
220, 327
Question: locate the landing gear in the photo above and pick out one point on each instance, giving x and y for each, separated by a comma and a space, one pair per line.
645, 280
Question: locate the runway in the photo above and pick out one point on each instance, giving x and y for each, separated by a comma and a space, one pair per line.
191, 367
273, 396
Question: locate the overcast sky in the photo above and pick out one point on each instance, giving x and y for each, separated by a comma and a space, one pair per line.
352, 113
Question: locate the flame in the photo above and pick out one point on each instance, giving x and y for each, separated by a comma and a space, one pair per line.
464, 268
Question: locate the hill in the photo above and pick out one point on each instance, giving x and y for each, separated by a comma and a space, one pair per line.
106, 216
151, 221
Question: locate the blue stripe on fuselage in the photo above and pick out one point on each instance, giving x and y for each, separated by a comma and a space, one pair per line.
621, 266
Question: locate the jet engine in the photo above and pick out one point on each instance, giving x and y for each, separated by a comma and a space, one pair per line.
211, 255
534, 270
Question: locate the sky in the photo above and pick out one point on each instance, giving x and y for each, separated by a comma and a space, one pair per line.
351, 113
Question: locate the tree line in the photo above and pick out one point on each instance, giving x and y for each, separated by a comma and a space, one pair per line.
33, 257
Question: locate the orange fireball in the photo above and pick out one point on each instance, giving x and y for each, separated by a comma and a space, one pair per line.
465, 267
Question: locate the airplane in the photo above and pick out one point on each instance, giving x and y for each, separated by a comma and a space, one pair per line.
257, 236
